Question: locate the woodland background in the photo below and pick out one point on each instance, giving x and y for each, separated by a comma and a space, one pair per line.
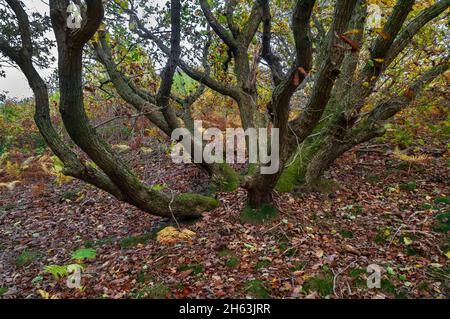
384, 201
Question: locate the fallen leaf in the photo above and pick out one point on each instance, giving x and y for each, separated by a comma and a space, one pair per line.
407, 241
319, 253
352, 250
10, 186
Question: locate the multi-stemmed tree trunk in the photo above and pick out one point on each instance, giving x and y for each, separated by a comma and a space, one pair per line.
113, 175
157, 108
333, 120
344, 125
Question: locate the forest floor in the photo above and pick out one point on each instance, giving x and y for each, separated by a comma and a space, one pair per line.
387, 212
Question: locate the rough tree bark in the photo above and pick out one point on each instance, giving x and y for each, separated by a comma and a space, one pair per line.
331, 123
341, 132
158, 108
260, 186
113, 174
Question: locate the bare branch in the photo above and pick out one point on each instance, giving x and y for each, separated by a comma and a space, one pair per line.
168, 72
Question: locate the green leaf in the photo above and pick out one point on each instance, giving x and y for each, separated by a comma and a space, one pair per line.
407, 241
58, 165
37, 279
74, 267
56, 270
183, 84
390, 271
251, 247
84, 253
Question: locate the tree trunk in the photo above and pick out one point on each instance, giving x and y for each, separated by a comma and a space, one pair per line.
258, 194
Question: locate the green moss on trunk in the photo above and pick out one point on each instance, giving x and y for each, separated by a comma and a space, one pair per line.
294, 174
226, 178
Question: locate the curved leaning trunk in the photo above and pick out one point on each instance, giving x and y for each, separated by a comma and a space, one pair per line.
224, 177
76, 122
72, 164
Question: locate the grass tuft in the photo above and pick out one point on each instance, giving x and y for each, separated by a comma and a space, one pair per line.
258, 216
257, 289
25, 258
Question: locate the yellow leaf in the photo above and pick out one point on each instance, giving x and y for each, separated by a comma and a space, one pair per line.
187, 233
353, 31
13, 169
407, 241
121, 148
146, 150
411, 158
447, 254
384, 35
44, 294
62, 179
171, 235
3, 157
446, 75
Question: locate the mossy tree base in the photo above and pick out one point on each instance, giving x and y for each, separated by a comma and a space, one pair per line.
226, 179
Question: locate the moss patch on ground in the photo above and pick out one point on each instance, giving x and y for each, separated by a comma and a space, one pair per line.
260, 215
257, 289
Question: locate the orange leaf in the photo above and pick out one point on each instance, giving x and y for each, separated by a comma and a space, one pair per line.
409, 93
302, 71
350, 42
384, 35
339, 46
296, 79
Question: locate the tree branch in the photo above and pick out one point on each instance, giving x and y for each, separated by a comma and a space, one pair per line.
124, 89
252, 24
163, 95
223, 34
230, 7
94, 16
301, 29
197, 75
267, 54
326, 76
385, 40
405, 37
24, 26
388, 109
